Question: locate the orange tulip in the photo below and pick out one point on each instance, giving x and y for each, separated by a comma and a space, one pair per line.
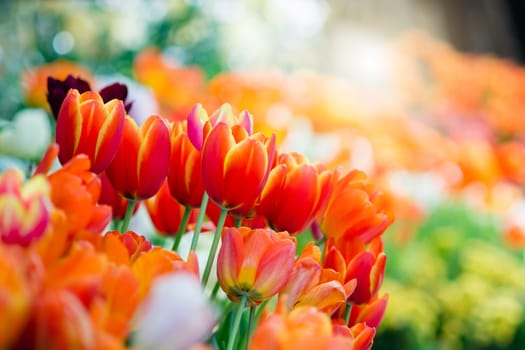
356, 208
158, 261
304, 328
24, 208
235, 165
165, 212
75, 190
141, 163
185, 169
59, 321
16, 294
86, 125
295, 193
306, 287
255, 263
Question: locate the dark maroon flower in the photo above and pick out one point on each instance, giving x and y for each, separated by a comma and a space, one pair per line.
57, 91
118, 91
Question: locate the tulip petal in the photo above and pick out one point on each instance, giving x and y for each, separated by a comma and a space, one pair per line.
217, 145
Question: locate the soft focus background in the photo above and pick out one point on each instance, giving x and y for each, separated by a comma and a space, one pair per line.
427, 97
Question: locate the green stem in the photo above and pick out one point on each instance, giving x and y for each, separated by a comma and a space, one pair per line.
260, 309
200, 219
182, 227
236, 322
250, 325
214, 291
214, 245
238, 221
115, 224
127, 217
347, 312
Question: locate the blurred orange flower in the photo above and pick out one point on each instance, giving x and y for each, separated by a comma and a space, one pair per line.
34, 81
303, 328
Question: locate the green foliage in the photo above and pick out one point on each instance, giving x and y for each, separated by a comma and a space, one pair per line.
453, 286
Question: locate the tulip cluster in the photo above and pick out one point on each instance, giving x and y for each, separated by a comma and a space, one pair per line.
96, 288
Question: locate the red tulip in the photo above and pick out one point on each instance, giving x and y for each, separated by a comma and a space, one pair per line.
371, 313
295, 193
142, 160
185, 169
236, 165
85, 125
256, 263
165, 212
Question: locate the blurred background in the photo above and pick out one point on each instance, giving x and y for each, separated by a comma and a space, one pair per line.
426, 96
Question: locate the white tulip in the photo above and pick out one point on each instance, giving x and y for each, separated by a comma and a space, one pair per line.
175, 315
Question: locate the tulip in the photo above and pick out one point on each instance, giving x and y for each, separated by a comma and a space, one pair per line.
168, 216
235, 165
295, 193
75, 190
59, 320
356, 208
304, 328
364, 264
175, 314
185, 169
110, 196
371, 314
57, 91
141, 163
254, 263
199, 128
362, 336
86, 125
24, 208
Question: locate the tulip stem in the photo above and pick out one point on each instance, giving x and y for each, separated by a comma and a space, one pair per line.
238, 221
236, 322
127, 217
250, 326
347, 312
182, 227
200, 219
214, 291
214, 244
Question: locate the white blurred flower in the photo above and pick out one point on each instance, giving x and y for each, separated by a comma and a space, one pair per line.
175, 315
27, 136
